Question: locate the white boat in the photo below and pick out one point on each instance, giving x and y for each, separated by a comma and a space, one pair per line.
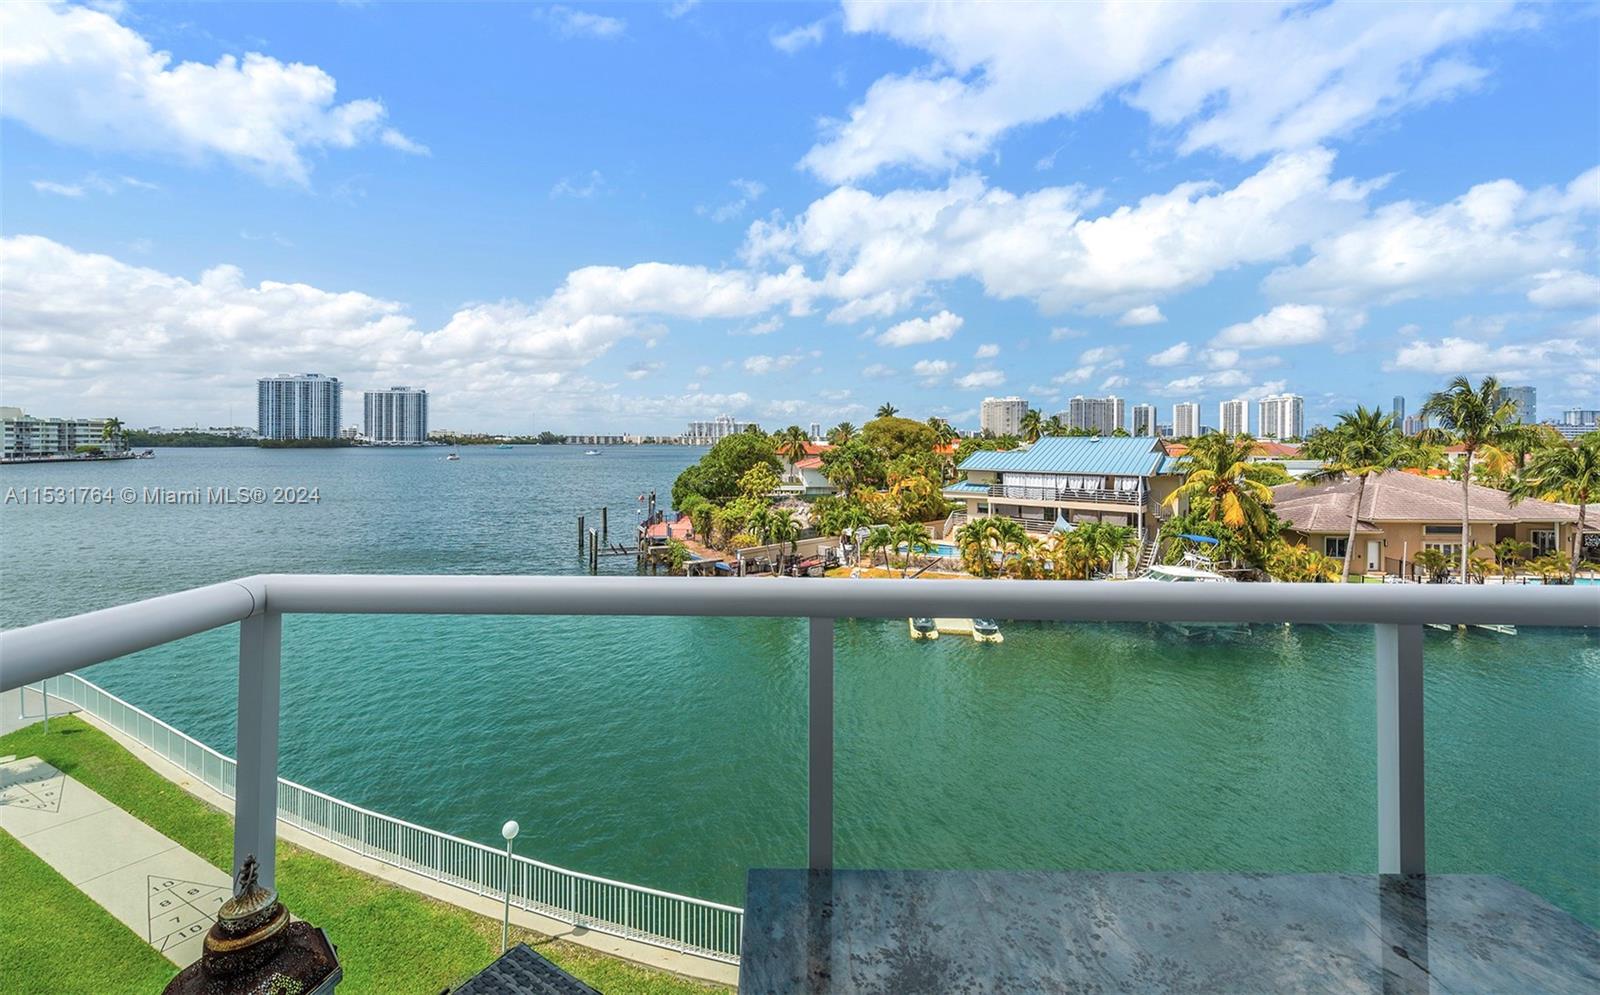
923, 628
986, 630
453, 456
591, 452
1182, 573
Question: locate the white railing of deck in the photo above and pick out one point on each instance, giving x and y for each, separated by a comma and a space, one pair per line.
50, 649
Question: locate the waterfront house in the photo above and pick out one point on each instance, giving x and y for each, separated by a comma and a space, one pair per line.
1402, 512
804, 477
1073, 478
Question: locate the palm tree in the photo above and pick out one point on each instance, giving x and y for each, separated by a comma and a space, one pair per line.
1009, 537
1570, 474
759, 524
914, 536
841, 433
1032, 425
1434, 563
1477, 418
1361, 444
111, 430
792, 443
1055, 426
972, 539
878, 538
782, 528
887, 410
1224, 483
1510, 552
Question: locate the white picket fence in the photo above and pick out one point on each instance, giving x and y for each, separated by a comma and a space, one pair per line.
676, 922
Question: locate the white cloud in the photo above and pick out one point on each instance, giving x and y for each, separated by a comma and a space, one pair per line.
980, 378
878, 371
1221, 379
749, 191
1173, 355
679, 8
59, 189
579, 188
1047, 246
765, 327
641, 370
401, 143
1063, 334
1284, 325
570, 23
1496, 236
1566, 289
1149, 314
919, 331
987, 351
1114, 382
1100, 354
1221, 359
93, 182
931, 371
1451, 356
1246, 79
80, 78
795, 39
762, 365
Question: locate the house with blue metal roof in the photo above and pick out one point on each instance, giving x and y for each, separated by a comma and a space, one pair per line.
1119, 481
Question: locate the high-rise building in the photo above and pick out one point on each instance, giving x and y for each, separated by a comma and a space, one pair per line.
1399, 410
1234, 416
1414, 424
298, 406
1185, 419
1282, 416
27, 437
1165, 431
1581, 416
396, 417
1524, 398
709, 433
816, 430
1100, 415
1144, 419
1002, 415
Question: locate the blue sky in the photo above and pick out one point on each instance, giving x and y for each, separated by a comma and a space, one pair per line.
618, 218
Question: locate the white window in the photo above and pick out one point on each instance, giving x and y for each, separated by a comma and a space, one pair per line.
1450, 549
1335, 545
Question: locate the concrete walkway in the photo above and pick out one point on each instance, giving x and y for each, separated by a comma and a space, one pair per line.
24, 706
158, 889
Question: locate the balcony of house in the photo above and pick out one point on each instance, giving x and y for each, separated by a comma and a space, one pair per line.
1187, 907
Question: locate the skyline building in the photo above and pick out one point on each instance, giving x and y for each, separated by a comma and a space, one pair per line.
1282, 416
1002, 415
1399, 410
816, 430
1234, 416
709, 433
1526, 400
395, 417
1144, 420
1185, 419
298, 406
1102, 415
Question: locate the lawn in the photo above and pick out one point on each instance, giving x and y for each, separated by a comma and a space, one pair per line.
389, 939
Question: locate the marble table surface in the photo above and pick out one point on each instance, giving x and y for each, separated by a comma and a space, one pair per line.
907, 932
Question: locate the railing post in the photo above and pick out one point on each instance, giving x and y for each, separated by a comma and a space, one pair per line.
255, 792
819, 821
1402, 837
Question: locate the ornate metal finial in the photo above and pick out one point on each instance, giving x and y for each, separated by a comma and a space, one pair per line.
248, 872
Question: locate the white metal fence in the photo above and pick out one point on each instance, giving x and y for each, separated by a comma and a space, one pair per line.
675, 922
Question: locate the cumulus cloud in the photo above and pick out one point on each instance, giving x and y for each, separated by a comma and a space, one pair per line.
987, 351
1051, 247
931, 371
570, 23
1284, 325
795, 39
1451, 356
1566, 289
1148, 314
919, 331
1172, 355
980, 378
78, 77
761, 365
1220, 76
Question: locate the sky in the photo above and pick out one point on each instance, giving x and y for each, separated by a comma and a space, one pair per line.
617, 218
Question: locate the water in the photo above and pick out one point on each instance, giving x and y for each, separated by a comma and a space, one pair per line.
671, 752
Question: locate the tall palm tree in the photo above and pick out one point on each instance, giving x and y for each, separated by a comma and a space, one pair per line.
1362, 443
1570, 474
841, 433
1476, 417
1223, 482
111, 430
1032, 425
914, 536
759, 524
972, 539
783, 529
1054, 426
792, 443
879, 538
887, 410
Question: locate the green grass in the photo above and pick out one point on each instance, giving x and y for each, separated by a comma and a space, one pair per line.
390, 939
81, 947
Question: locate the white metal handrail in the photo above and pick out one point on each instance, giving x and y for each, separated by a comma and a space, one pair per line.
51, 649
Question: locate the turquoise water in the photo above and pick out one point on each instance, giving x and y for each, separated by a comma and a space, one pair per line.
671, 752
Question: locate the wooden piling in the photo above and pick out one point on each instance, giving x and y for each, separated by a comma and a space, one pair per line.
605, 527
580, 535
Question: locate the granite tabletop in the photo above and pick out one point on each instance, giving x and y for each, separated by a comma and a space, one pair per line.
907, 932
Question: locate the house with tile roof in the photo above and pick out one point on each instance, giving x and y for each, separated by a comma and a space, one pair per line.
804, 477
1403, 512
1119, 481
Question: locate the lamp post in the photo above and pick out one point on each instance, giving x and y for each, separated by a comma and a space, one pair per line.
509, 831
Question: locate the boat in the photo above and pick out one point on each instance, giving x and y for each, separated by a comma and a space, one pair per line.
1182, 574
923, 628
453, 456
986, 630
503, 445
591, 452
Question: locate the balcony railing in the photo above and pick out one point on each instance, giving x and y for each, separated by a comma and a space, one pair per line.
51, 649
1100, 494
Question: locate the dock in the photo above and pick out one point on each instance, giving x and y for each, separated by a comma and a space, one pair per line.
961, 627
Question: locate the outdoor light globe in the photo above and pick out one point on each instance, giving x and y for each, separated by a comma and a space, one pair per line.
510, 830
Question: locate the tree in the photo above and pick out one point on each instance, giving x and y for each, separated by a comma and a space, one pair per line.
1223, 483
111, 431
1476, 418
1032, 425
1011, 541
892, 436
759, 481
943, 432
887, 410
914, 536
1054, 426
1362, 443
1569, 474
1434, 563
759, 524
1301, 564
1510, 552
716, 476
841, 433
783, 529
792, 443
702, 515
852, 465
677, 556
879, 538
918, 498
